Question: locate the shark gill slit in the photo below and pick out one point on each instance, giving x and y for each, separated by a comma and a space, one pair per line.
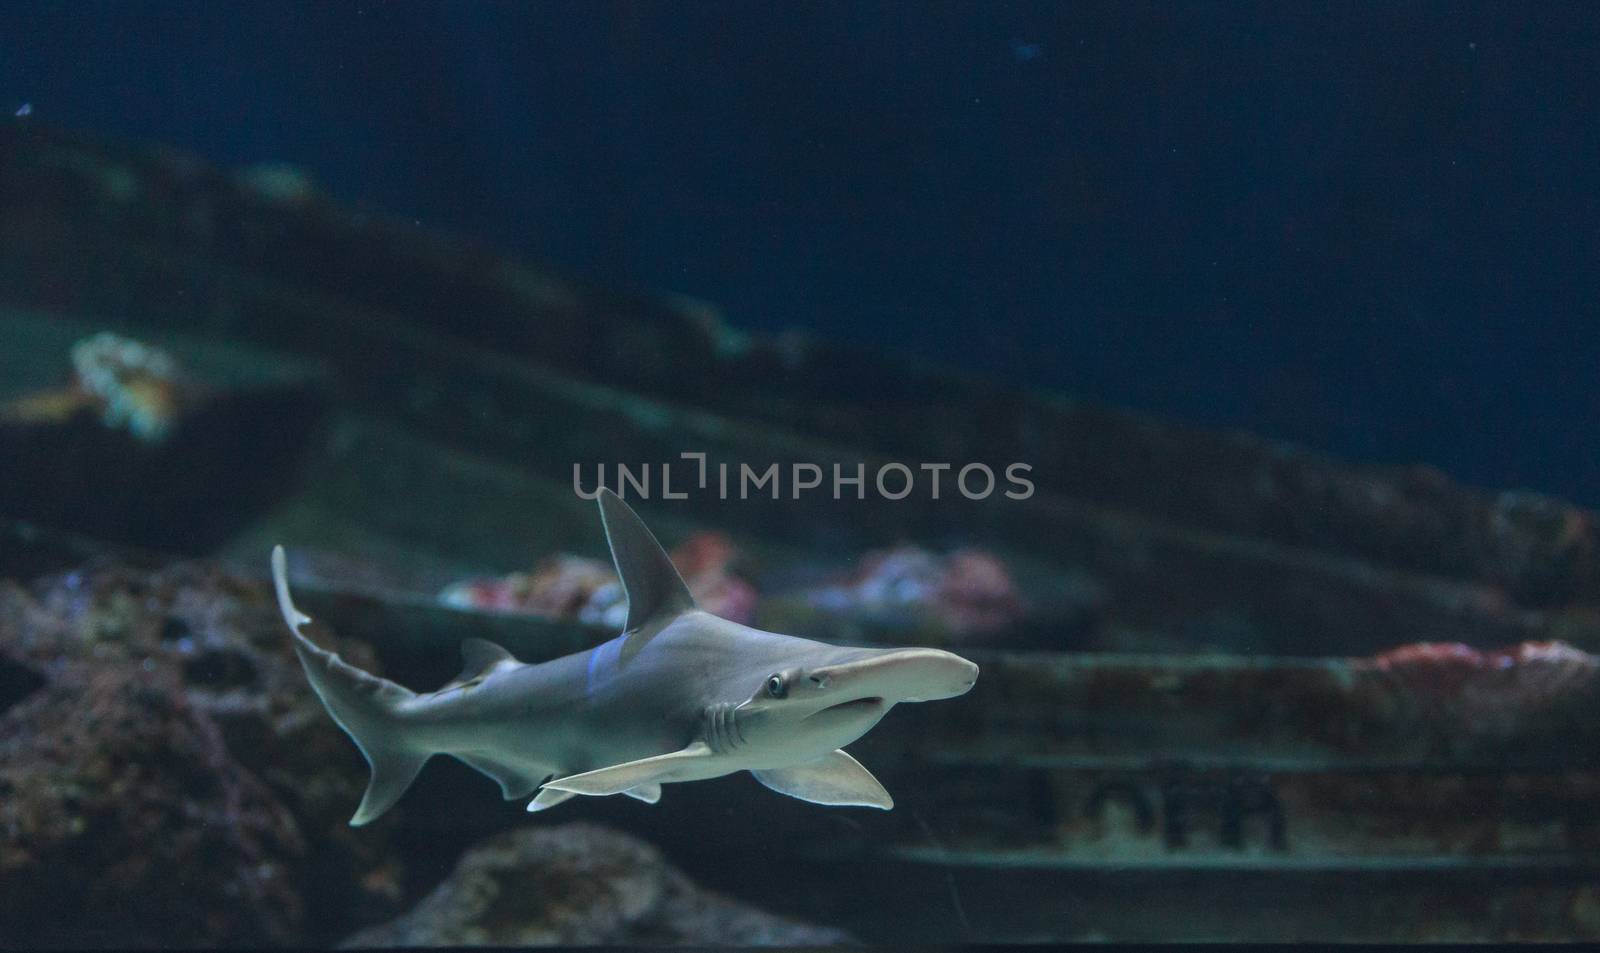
722, 728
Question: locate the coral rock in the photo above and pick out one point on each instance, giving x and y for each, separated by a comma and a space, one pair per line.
161, 735
1489, 690
579, 884
124, 821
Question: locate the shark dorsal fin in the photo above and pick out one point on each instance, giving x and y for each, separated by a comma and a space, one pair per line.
478, 656
655, 590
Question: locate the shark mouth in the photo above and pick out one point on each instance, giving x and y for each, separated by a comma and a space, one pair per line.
853, 705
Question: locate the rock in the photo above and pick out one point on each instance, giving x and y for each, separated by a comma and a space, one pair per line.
579, 884
124, 821
168, 776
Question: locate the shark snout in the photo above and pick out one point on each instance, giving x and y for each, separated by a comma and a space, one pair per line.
899, 675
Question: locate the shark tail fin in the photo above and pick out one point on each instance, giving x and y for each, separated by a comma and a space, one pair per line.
363, 704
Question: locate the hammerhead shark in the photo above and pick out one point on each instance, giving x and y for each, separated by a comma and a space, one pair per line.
680, 695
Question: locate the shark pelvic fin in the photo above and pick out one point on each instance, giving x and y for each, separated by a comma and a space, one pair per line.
676, 766
655, 590
648, 793
514, 782
836, 779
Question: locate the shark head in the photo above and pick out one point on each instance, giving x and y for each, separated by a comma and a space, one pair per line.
834, 696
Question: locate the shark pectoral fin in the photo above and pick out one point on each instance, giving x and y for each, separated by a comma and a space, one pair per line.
655, 590
618, 778
836, 779
514, 782
648, 793
548, 798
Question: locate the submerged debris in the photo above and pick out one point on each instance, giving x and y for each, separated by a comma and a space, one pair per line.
575, 587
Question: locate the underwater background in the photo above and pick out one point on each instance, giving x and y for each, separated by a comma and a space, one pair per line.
1284, 311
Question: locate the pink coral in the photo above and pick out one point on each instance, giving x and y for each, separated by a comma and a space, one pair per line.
573, 587
969, 591
559, 587
703, 559
1488, 688
977, 592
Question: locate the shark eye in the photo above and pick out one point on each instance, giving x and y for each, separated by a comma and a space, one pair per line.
776, 687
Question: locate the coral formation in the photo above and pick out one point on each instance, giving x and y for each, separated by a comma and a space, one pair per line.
163, 757
129, 385
967, 592
125, 821
574, 587
1491, 690
139, 387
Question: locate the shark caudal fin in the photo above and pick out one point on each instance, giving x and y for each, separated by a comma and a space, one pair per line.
363, 704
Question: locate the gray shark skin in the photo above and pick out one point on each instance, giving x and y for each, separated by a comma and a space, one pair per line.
680, 695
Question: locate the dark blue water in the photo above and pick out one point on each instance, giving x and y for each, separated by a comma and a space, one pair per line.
1370, 228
